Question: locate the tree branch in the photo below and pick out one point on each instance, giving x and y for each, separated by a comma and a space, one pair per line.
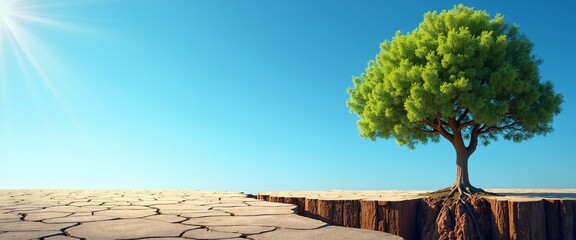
482, 128
429, 124
440, 122
425, 131
466, 124
463, 116
492, 129
445, 134
438, 127
473, 139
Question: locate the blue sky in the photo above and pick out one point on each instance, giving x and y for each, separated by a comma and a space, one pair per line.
242, 96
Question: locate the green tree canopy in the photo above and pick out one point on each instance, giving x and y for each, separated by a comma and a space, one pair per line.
460, 75
457, 64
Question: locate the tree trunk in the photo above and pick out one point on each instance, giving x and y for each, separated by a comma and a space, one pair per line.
462, 179
463, 152
462, 155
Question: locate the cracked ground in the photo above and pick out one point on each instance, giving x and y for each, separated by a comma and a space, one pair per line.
158, 214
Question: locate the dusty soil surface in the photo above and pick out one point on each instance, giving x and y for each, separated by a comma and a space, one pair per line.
158, 214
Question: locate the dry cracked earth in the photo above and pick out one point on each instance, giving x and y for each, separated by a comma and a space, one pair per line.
161, 214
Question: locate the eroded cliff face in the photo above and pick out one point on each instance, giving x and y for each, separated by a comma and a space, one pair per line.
427, 218
449, 219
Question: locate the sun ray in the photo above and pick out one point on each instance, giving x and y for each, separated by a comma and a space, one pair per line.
33, 53
21, 49
33, 12
44, 20
30, 52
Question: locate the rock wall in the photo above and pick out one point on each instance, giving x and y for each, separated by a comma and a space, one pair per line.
427, 218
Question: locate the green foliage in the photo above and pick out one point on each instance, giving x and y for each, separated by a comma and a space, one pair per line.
458, 65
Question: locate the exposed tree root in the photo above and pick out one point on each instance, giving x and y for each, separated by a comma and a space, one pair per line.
470, 212
459, 192
461, 195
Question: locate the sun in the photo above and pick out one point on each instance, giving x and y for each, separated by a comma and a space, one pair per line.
17, 42
20, 43
19, 17
5, 11
8, 9
29, 56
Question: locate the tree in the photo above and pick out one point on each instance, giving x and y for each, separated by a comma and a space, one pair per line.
461, 76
